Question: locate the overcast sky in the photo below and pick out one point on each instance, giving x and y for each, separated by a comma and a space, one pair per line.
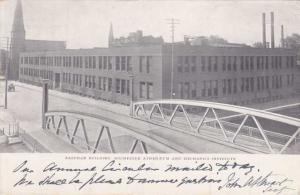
85, 23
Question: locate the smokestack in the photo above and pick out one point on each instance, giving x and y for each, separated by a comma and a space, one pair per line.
272, 31
282, 37
264, 30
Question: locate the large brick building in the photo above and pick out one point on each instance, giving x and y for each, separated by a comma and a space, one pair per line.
233, 75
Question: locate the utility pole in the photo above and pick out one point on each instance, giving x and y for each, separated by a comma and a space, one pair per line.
172, 22
7, 61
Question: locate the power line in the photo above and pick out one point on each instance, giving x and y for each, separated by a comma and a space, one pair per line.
172, 22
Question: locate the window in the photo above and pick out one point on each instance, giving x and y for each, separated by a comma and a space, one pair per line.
118, 86
251, 84
90, 61
129, 65
251, 63
86, 61
234, 63
216, 64
141, 63
186, 64
215, 87
117, 62
109, 62
209, 90
123, 63
247, 63
123, 86
179, 63
203, 92
209, 63
234, 85
224, 86
104, 83
203, 64
229, 86
148, 63
193, 90
105, 62
150, 90
243, 85
180, 90
186, 90
142, 90
94, 62
100, 62
229, 63
109, 84
247, 85
267, 82
224, 63
242, 62
193, 63
93, 82
100, 83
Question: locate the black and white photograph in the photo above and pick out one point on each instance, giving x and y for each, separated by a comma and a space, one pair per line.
149, 77
150, 97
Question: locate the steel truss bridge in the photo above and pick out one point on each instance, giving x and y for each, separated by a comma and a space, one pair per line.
229, 126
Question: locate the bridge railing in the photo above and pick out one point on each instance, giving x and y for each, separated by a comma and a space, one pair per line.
87, 132
181, 114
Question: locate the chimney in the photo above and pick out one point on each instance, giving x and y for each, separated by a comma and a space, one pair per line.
264, 30
282, 37
272, 31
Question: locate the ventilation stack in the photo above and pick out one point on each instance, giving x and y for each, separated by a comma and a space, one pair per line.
272, 31
264, 30
282, 37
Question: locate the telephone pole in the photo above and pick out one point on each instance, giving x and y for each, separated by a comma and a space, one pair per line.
7, 61
172, 22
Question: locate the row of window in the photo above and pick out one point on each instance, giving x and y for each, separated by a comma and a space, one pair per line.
232, 63
104, 83
122, 63
45, 74
210, 88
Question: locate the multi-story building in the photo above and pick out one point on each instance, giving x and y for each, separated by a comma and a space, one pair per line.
240, 76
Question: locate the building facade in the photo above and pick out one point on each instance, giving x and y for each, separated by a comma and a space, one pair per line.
241, 76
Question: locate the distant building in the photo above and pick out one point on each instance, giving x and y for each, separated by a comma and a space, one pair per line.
134, 39
204, 41
20, 44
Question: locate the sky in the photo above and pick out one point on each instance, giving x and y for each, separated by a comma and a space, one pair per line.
85, 23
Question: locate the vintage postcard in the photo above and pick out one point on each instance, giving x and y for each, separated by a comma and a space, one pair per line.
149, 97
